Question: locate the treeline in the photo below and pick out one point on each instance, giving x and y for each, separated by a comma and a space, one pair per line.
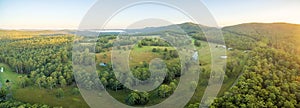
44, 61
269, 67
104, 43
153, 42
17, 104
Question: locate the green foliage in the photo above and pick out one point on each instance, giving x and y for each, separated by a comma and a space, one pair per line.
16, 104
265, 54
137, 98
153, 42
154, 50
170, 54
3, 94
60, 93
75, 91
42, 59
103, 43
23, 81
197, 43
268, 80
164, 91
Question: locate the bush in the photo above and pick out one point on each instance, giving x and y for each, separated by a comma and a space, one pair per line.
137, 98
75, 91
60, 93
154, 50
197, 43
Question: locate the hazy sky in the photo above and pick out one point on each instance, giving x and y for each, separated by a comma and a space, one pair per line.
67, 14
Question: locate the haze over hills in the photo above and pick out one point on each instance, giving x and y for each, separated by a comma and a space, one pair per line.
277, 30
248, 32
192, 26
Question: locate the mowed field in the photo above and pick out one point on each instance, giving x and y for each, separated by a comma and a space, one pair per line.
136, 57
46, 96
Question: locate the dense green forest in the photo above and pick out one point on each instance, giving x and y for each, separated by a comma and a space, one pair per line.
40, 60
270, 74
262, 66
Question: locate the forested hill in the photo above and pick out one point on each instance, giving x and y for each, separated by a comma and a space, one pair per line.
264, 29
242, 36
277, 35
175, 27
271, 74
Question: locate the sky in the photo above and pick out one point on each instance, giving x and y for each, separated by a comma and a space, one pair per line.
67, 14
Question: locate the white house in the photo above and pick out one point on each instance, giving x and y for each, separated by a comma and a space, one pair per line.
195, 56
246, 51
223, 57
103, 64
2, 69
221, 46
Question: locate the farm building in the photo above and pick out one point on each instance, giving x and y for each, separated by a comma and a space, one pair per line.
221, 46
195, 56
223, 57
103, 64
246, 51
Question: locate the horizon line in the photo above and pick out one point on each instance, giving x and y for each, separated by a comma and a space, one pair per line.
62, 29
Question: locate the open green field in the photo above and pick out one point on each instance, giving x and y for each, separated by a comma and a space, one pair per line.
8, 74
47, 96
137, 55
42, 96
122, 94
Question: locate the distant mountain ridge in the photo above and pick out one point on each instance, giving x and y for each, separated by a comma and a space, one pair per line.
188, 26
